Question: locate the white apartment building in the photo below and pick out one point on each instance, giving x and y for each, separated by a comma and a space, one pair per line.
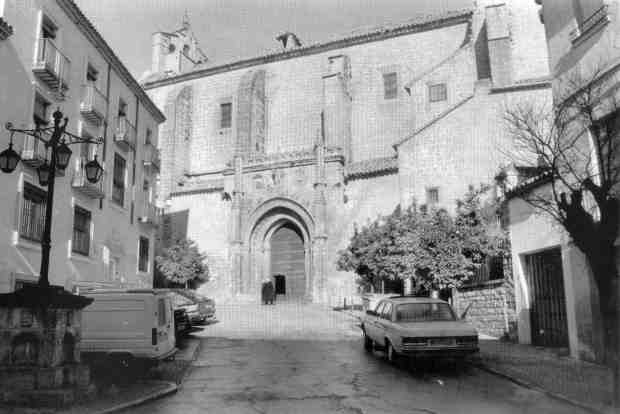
103, 234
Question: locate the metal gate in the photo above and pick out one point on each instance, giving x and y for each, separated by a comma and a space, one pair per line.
547, 301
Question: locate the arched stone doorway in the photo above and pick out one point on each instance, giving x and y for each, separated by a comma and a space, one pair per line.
279, 242
287, 262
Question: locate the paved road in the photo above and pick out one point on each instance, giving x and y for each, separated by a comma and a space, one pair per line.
310, 372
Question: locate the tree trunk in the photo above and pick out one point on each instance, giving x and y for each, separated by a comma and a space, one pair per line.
606, 275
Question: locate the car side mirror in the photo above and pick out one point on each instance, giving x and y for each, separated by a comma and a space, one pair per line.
371, 313
464, 314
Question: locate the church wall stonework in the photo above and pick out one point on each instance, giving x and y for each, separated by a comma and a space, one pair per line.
316, 145
294, 90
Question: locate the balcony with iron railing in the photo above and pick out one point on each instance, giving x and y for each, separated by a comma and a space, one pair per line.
149, 214
51, 66
93, 105
589, 25
81, 184
125, 135
151, 158
34, 154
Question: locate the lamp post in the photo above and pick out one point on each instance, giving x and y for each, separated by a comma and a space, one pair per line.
56, 140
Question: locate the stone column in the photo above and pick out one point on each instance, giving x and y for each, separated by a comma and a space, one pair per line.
320, 215
236, 237
337, 104
266, 265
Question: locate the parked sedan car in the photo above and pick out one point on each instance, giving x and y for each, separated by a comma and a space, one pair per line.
415, 326
199, 308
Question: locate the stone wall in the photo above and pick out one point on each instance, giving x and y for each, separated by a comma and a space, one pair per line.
492, 309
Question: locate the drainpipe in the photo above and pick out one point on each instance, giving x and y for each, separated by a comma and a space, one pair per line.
133, 168
107, 114
105, 125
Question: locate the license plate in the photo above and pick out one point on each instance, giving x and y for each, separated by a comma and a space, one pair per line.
442, 341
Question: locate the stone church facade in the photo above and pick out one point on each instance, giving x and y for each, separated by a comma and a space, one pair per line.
270, 162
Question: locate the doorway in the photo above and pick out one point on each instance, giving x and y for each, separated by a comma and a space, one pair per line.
545, 281
280, 284
288, 261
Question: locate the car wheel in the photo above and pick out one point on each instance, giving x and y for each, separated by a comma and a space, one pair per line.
368, 345
390, 353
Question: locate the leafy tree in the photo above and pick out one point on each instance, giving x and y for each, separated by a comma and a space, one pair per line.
577, 143
182, 263
432, 248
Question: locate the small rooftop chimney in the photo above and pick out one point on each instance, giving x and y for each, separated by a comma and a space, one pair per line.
289, 40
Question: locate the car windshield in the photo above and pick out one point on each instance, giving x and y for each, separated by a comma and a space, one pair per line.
181, 301
193, 295
422, 312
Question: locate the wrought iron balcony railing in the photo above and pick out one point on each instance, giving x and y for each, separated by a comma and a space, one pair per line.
34, 154
125, 133
150, 214
93, 105
151, 158
52, 66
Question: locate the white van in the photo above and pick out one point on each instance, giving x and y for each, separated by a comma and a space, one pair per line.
129, 324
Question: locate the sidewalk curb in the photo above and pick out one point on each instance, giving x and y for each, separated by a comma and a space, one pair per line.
191, 359
526, 384
170, 389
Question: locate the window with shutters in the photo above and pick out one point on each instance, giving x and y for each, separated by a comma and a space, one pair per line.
40, 110
437, 92
143, 255
226, 115
390, 85
49, 30
118, 182
432, 196
32, 217
81, 231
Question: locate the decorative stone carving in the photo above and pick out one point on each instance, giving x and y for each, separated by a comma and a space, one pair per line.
40, 330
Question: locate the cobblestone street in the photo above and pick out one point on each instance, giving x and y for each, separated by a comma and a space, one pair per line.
292, 358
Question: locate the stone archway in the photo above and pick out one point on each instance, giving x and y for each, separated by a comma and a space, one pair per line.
287, 255
273, 221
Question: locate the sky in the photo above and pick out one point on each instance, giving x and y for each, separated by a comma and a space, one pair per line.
233, 29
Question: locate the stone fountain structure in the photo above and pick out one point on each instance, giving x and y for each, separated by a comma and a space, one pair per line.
40, 331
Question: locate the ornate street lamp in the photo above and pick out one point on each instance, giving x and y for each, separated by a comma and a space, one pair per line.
44, 172
94, 170
56, 140
63, 155
9, 158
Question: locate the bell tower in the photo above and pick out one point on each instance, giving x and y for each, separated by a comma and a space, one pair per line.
176, 52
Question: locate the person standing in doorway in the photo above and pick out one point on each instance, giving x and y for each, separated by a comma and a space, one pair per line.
265, 293
271, 292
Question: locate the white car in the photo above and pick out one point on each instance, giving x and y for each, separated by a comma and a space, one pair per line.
416, 326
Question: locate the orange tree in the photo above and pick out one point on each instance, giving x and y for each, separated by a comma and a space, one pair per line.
182, 263
429, 246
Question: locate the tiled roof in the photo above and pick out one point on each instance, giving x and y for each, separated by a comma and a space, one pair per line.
199, 186
424, 23
371, 167
434, 120
82, 22
530, 184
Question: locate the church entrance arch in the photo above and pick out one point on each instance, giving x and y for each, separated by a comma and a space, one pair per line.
287, 262
279, 248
